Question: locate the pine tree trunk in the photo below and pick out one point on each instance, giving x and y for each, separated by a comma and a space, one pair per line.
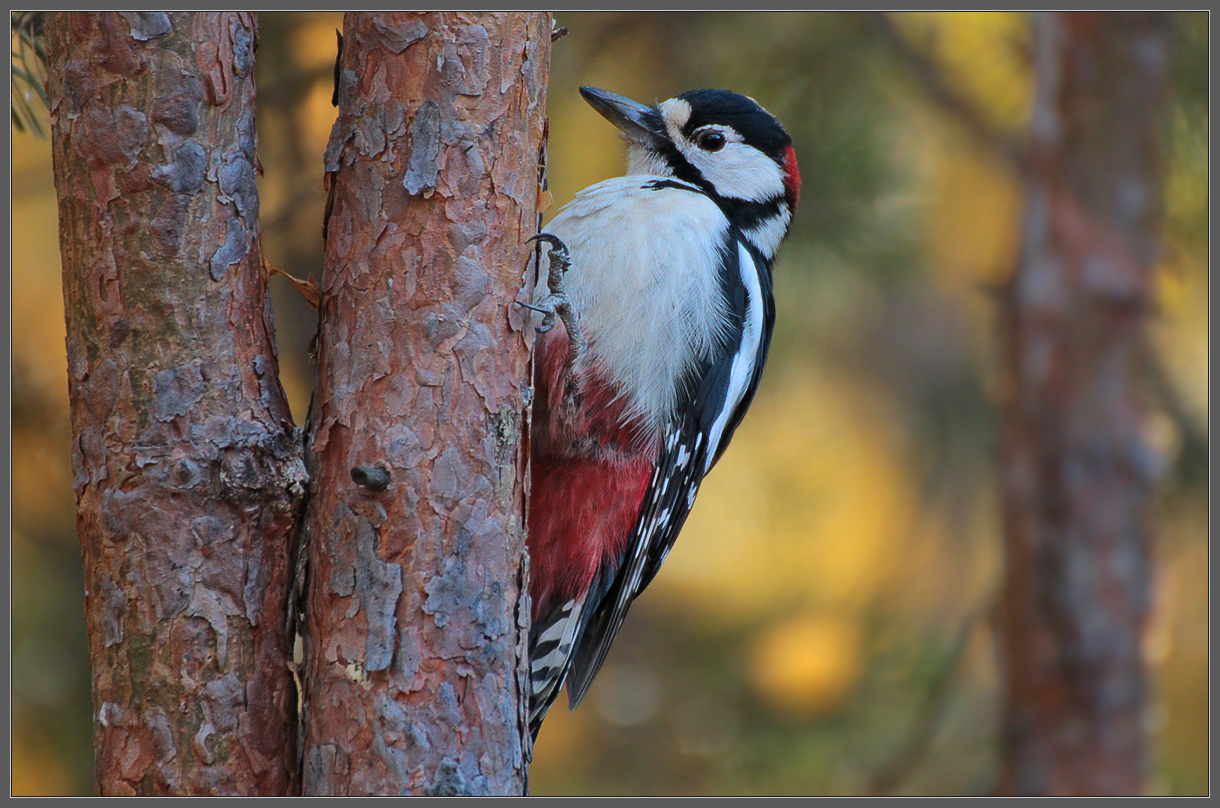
416, 624
187, 466
1077, 476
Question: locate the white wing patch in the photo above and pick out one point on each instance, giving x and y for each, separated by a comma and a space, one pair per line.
742, 369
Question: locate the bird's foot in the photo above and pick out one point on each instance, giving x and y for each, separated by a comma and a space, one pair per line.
557, 305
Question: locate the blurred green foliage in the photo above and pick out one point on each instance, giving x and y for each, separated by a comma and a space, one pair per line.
822, 627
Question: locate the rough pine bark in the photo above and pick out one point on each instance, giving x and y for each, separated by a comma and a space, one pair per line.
1077, 476
187, 468
415, 634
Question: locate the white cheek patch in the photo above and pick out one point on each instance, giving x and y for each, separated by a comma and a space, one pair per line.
739, 171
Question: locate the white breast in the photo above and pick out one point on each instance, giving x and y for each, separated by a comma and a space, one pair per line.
645, 283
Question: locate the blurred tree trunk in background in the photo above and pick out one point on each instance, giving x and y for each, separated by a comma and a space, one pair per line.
187, 467
416, 625
1077, 476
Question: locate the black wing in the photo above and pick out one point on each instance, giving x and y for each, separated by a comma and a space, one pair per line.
671, 492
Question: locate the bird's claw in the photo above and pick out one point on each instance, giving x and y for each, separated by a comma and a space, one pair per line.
548, 308
556, 305
552, 306
561, 260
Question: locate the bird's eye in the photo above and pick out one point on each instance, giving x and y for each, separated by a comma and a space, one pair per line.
710, 141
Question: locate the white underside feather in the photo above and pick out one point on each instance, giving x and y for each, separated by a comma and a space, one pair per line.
642, 288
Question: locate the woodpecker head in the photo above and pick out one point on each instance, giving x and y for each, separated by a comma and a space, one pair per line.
725, 143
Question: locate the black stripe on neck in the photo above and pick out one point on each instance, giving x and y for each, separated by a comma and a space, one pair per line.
657, 185
746, 214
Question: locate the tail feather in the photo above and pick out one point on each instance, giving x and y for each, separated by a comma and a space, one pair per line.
551, 642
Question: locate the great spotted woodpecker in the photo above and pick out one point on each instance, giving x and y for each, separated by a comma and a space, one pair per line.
662, 281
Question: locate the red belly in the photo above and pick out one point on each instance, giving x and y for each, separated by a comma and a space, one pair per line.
590, 465
582, 512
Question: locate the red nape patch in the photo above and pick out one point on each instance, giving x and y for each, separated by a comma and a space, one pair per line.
582, 511
792, 175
